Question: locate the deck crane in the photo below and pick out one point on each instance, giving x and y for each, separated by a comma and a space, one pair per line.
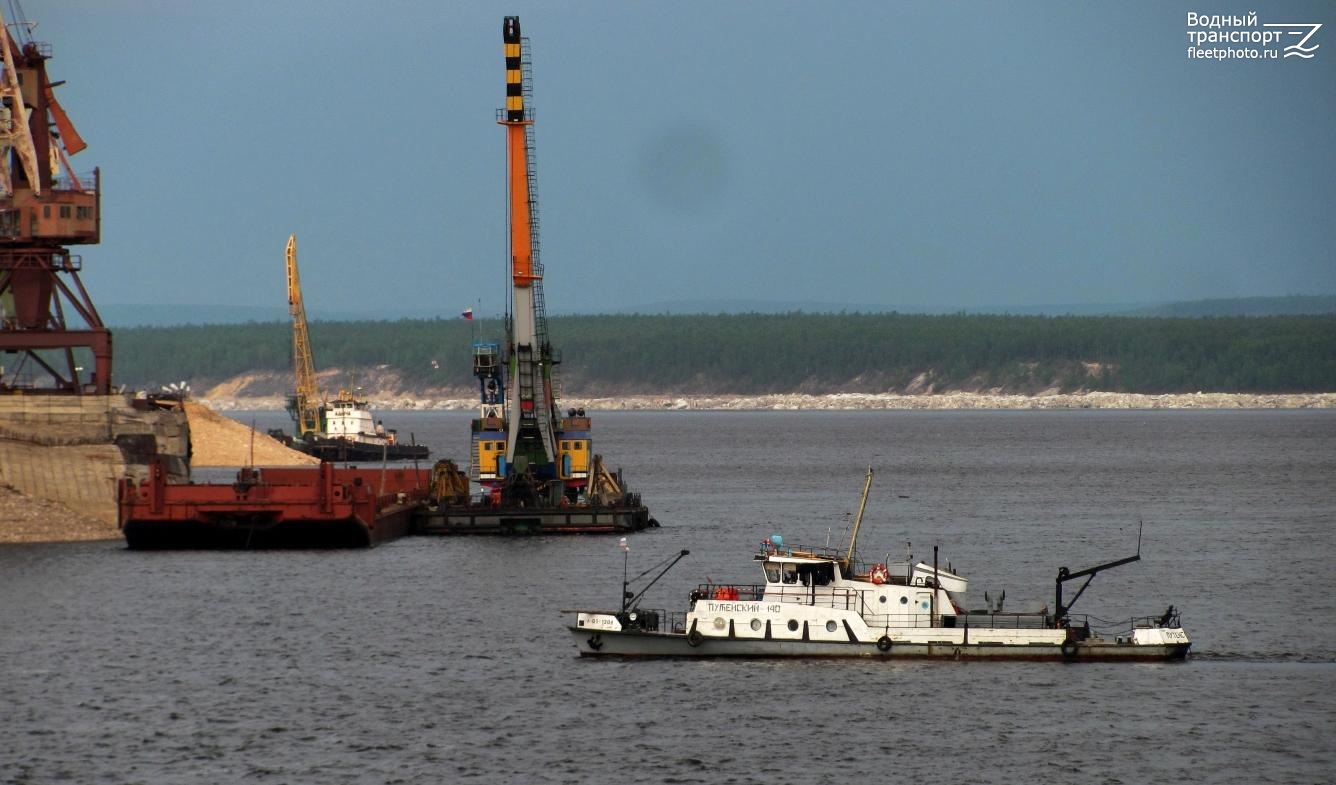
305, 402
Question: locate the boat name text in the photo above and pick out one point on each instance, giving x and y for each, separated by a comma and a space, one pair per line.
744, 607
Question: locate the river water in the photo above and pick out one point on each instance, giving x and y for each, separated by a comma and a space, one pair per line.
433, 660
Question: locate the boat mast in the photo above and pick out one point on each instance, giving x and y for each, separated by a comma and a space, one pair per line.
846, 564
530, 403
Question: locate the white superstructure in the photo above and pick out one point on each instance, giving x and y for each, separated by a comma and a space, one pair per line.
351, 419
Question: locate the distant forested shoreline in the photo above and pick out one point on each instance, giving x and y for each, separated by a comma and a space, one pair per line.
775, 353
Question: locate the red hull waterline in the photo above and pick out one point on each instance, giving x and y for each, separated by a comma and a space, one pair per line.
273, 507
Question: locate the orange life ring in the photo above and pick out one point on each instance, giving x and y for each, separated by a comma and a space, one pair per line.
879, 574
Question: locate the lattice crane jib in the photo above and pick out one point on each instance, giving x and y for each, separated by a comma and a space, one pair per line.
306, 400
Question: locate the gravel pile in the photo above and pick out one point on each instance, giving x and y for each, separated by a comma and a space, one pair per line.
27, 519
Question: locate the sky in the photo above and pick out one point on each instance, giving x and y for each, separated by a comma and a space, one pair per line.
843, 154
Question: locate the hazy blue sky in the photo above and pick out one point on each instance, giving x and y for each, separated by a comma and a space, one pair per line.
960, 154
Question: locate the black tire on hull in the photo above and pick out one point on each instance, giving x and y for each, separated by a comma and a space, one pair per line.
694, 638
884, 644
1069, 650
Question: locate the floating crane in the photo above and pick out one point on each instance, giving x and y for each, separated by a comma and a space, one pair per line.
535, 463
342, 429
46, 316
527, 450
304, 403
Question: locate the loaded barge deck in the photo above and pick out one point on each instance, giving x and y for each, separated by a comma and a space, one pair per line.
273, 507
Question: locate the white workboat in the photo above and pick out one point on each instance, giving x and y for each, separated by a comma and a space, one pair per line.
823, 603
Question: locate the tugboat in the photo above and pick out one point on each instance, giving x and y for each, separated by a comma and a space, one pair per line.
818, 602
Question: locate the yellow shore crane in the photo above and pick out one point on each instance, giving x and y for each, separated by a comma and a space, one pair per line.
305, 402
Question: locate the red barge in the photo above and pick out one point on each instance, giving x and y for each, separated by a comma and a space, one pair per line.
273, 507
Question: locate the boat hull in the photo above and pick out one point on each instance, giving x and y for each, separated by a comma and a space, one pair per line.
446, 520
344, 450
240, 530
642, 643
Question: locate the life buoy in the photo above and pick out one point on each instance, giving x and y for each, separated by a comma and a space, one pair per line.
1069, 649
879, 574
694, 638
884, 643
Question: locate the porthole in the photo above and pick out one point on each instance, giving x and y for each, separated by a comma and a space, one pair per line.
793, 625
720, 623
904, 600
830, 626
756, 625
882, 598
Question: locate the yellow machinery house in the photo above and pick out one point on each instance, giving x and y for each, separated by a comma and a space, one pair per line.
573, 456
489, 454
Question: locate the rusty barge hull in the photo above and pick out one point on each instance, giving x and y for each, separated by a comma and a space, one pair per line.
531, 520
274, 507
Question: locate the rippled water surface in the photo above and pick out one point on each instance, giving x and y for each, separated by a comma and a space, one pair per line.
446, 660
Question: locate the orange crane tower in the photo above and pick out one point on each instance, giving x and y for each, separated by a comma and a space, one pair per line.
531, 443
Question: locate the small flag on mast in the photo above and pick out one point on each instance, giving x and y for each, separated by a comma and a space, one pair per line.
467, 314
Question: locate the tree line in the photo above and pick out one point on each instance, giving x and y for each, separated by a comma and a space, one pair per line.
795, 352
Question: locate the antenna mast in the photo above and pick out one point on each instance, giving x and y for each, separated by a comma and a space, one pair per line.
847, 562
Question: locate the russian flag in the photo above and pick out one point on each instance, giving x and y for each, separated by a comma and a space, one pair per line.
467, 314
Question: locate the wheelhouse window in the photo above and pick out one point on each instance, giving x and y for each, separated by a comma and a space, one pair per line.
772, 573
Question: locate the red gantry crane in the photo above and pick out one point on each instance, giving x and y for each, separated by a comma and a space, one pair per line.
50, 333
